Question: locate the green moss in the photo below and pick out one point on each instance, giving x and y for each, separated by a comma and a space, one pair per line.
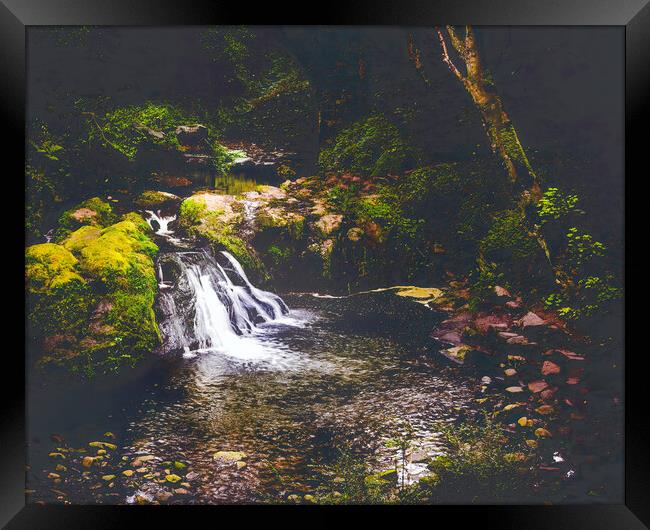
59, 298
372, 147
93, 212
114, 264
508, 238
151, 200
190, 212
275, 218
81, 238
278, 255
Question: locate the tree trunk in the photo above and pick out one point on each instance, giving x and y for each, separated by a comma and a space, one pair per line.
503, 137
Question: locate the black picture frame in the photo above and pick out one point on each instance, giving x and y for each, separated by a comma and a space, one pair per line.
17, 15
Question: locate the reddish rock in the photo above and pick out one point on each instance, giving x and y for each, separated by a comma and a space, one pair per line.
548, 393
549, 368
501, 291
514, 304
537, 386
484, 323
530, 319
572, 356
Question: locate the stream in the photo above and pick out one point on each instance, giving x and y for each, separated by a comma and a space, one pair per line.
260, 395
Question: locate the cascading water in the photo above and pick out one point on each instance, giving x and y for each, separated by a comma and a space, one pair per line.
207, 305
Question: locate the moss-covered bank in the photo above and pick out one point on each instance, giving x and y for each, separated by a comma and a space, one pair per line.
91, 295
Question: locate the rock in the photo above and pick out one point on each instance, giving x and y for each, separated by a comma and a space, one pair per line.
157, 200
510, 372
452, 337
549, 368
501, 291
514, 389
485, 323
192, 475
103, 445
163, 496
423, 295
514, 304
457, 353
382, 478
192, 135
229, 456
544, 410
572, 356
520, 340
537, 386
87, 461
53, 475
181, 491
530, 319
240, 464
328, 224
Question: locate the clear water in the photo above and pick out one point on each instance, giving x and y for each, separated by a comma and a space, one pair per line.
305, 392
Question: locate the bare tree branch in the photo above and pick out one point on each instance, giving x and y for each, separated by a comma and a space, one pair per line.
445, 56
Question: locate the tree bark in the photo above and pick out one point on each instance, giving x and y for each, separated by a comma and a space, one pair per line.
502, 134
503, 137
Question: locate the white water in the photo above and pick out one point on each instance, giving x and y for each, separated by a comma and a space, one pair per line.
163, 229
209, 306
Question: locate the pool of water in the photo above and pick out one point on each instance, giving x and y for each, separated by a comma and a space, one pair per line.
300, 391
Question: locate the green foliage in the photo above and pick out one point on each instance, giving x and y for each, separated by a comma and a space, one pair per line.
477, 466
555, 204
124, 128
589, 289
369, 147
223, 158
582, 248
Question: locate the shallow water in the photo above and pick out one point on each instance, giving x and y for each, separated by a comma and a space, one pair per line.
292, 404
291, 397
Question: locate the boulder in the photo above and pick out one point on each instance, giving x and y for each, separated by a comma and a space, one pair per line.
192, 135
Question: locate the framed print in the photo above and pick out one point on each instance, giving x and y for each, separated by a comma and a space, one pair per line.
372, 260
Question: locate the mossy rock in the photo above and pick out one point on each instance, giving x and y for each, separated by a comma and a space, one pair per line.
59, 298
93, 212
156, 200
216, 219
99, 285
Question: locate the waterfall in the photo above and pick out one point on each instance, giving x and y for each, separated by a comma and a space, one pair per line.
207, 306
